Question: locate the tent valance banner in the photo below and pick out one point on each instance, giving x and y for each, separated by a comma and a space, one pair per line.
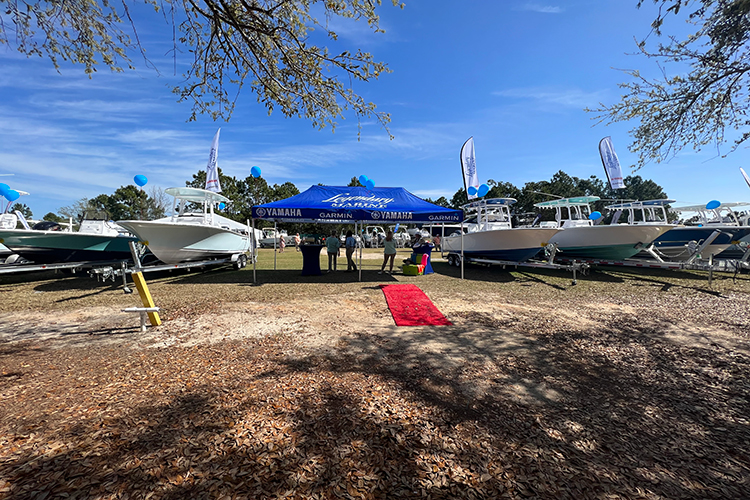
342, 205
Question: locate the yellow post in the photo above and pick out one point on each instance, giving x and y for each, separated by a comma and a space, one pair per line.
140, 284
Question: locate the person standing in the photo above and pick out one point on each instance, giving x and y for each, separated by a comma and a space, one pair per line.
282, 244
389, 252
351, 245
436, 242
296, 242
333, 244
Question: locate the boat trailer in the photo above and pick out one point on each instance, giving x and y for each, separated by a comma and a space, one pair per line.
694, 263
550, 250
104, 273
111, 270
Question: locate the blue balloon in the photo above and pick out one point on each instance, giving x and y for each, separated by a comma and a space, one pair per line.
395, 230
472, 190
595, 215
141, 180
483, 190
713, 204
12, 195
255, 172
370, 184
222, 206
4, 188
363, 179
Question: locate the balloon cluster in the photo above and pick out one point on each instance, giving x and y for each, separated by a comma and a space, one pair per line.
8, 193
368, 183
481, 191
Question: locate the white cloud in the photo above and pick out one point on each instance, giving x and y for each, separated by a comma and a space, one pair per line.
570, 98
544, 9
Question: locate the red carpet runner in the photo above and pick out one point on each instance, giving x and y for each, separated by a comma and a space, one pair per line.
411, 307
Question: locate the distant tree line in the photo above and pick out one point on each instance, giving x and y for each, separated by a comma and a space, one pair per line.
561, 185
131, 202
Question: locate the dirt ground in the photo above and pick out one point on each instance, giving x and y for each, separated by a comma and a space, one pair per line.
629, 384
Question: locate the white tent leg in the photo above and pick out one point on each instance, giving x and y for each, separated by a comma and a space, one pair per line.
275, 232
255, 250
359, 267
462, 249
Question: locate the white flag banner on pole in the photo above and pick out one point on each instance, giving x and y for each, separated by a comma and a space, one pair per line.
747, 179
212, 169
469, 168
611, 163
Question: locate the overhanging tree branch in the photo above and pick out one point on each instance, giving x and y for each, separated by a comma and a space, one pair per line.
230, 40
698, 107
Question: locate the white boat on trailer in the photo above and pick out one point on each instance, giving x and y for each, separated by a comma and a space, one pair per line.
584, 239
490, 235
193, 236
710, 230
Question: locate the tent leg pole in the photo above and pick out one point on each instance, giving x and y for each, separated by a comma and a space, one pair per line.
462, 249
442, 237
359, 267
254, 254
275, 232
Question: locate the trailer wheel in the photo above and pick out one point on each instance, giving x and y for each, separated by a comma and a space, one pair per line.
240, 262
457, 261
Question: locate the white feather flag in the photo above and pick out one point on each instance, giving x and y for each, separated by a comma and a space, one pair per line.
212, 169
469, 168
611, 163
747, 179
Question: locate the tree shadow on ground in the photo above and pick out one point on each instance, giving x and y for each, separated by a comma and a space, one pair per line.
669, 282
620, 410
438, 412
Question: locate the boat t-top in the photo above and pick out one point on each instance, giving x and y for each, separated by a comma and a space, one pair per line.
584, 238
187, 236
490, 235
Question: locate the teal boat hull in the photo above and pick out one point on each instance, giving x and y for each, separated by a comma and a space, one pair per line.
51, 247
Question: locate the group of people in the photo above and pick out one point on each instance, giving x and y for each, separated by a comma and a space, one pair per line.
282, 243
333, 248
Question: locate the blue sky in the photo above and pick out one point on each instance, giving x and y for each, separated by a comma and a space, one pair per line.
514, 75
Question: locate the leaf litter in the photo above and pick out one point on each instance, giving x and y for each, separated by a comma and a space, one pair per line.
619, 387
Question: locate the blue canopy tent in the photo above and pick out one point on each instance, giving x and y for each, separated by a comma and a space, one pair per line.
353, 205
